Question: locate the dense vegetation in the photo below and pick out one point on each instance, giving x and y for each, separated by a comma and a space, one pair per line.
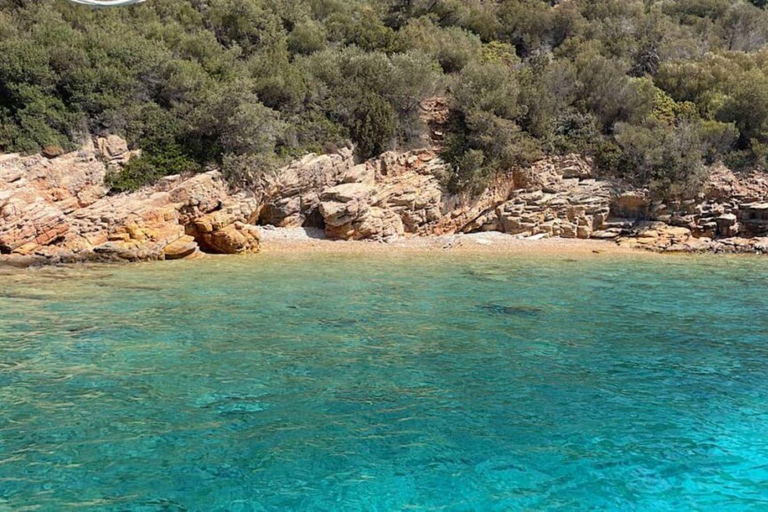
655, 90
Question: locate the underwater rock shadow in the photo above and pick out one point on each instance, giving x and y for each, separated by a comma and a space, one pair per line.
516, 310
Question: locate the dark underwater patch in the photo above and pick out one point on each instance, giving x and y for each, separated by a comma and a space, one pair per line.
338, 322
22, 296
520, 311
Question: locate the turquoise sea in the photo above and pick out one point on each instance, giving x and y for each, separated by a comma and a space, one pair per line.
386, 382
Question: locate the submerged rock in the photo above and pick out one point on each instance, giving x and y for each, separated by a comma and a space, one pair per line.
529, 311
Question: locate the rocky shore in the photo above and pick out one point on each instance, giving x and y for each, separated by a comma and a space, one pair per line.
57, 208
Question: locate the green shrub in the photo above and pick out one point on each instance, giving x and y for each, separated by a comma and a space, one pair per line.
248, 83
374, 126
307, 37
245, 170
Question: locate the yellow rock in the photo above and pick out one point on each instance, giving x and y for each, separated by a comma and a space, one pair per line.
181, 248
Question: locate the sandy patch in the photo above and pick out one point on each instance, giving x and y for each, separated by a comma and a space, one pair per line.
295, 240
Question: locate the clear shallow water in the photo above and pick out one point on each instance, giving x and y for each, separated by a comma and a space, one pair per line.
386, 383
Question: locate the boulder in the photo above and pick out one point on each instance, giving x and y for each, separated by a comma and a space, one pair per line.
181, 248
52, 151
237, 238
128, 251
376, 224
112, 148
199, 195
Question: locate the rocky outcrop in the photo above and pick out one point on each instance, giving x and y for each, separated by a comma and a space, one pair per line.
561, 198
291, 196
181, 248
59, 208
400, 193
228, 230
237, 238
37, 194
731, 205
384, 198
730, 216
661, 237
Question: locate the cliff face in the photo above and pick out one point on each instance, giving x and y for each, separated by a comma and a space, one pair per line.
58, 208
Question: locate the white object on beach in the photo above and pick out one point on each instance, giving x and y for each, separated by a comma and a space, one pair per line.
483, 241
106, 3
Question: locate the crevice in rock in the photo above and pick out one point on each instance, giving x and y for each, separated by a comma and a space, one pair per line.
59, 239
192, 231
268, 215
204, 247
314, 220
465, 228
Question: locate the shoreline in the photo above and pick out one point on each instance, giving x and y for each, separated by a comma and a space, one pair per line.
310, 240
303, 241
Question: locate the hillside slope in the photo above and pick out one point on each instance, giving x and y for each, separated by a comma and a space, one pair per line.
655, 91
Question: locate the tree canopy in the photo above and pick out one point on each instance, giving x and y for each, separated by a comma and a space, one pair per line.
654, 90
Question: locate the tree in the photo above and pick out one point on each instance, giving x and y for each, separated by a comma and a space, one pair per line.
374, 126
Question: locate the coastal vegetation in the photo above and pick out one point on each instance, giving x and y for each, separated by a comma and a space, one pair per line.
655, 91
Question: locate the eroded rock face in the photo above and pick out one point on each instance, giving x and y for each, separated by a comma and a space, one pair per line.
384, 198
555, 197
380, 199
407, 187
561, 199
291, 196
37, 194
732, 206
58, 208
